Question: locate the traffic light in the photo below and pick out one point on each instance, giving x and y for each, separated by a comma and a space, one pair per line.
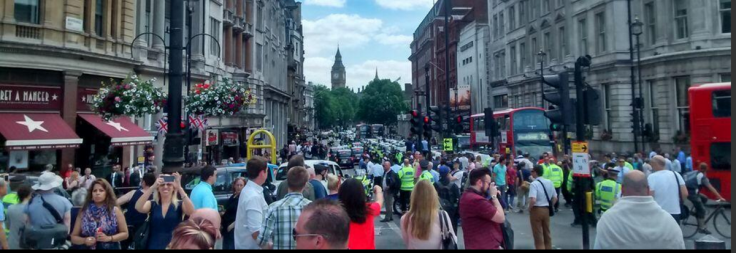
435, 115
564, 112
593, 110
460, 123
416, 123
427, 127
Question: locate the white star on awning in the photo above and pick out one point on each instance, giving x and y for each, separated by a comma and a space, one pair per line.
117, 126
32, 125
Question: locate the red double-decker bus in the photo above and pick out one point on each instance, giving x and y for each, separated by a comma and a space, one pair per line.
522, 129
710, 133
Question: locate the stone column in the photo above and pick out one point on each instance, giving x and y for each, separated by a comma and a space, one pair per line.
159, 23
141, 22
229, 46
198, 28
8, 11
69, 109
239, 51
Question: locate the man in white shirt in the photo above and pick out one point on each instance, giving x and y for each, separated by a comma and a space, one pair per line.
667, 187
675, 166
464, 162
542, 195
637, 221
377, 171
252, 206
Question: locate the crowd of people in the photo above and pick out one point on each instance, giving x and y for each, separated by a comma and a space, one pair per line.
638, 204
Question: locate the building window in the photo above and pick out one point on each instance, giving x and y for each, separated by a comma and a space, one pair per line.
560, 3
523, 53
259, 57
535, 10
726, 78
512, 18
535, 50
260, 18
545, 6
501, 101
501, 24
27, 11
651, 22
497, 67
99, 17
583, 35
522, 12
653, 106
495, 27
503, 64
725, 7
683, 109
563, 43
607, 106
513, 60
600, 23
681, 19
548, 47
215, 30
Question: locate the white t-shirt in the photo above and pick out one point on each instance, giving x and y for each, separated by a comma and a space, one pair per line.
464, 162
377, 170
251, 214
460, 175
536, 191
666, 189
676, 167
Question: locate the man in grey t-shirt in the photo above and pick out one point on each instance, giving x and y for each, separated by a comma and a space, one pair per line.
39, 215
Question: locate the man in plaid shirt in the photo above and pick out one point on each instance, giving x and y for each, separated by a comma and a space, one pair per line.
282, 215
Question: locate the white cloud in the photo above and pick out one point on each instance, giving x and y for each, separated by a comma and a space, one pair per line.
361, 74
317, 70
327, 3
350, 31
395, 40
406, 5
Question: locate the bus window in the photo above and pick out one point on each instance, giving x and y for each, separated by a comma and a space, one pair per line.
530, 119
722, 104
480, 124
720, 156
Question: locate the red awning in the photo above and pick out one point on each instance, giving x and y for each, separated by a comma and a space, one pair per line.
121, 130
37, 131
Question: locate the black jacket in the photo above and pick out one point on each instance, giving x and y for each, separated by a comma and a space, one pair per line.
118, 180
135, 179
392, 181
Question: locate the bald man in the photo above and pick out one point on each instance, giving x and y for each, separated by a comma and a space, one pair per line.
637, 221
667, 187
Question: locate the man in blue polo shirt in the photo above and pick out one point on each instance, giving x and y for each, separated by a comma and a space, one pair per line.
202, 196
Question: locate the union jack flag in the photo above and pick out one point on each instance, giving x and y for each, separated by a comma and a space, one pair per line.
162, 125
198, 122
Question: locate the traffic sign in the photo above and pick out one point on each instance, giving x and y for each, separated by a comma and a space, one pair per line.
580, 147
447, 144
580, 159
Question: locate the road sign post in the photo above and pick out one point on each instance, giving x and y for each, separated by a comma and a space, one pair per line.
447, 144
580, 159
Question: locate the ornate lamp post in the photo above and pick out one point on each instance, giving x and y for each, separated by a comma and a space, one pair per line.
636, 30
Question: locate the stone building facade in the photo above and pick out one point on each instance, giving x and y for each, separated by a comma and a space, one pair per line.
684, 43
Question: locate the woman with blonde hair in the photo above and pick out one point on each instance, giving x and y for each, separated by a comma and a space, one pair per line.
72, 182
420, 227
165, 211
194, 234
333, 185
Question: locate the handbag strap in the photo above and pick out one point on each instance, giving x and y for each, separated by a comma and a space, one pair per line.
443, 228
679, 190
549, 201
51, 210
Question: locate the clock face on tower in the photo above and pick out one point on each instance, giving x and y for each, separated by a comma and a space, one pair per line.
335, 75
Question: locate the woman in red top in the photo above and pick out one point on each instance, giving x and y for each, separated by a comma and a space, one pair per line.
361, 213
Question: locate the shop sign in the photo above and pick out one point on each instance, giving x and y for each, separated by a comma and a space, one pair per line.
213, 137
85, 96
74, 24
16, 97
37, 147
230, 139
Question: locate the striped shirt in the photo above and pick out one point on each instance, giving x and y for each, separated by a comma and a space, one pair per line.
280, 221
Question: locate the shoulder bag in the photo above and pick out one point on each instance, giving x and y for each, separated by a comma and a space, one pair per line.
47, 236
449, 240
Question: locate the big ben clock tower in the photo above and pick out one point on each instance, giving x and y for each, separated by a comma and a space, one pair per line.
338, 72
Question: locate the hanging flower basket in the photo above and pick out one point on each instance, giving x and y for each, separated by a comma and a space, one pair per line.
132, 97
221, 99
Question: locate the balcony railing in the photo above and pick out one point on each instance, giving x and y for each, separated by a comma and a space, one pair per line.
28, 32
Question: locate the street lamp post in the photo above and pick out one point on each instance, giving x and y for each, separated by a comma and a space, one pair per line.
173, 157
636, 29
633, 82
541, 55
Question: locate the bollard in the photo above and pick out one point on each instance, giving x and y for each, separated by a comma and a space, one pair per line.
709, 242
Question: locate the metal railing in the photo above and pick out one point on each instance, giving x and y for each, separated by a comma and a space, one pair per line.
28, 32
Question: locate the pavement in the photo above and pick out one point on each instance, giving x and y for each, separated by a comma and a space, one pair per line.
564, 236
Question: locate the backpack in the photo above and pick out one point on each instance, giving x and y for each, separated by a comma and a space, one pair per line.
445, 194
45, 237
691, 181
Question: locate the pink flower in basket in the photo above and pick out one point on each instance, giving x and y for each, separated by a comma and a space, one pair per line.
118, 99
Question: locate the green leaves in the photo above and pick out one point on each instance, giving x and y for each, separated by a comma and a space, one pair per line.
379, 103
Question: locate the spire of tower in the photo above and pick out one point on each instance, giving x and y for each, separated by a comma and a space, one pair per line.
376, 78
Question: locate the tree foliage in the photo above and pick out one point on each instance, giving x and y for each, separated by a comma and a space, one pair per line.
334, 107
381, 102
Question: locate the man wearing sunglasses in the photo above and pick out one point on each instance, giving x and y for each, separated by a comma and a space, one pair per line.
323, 224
